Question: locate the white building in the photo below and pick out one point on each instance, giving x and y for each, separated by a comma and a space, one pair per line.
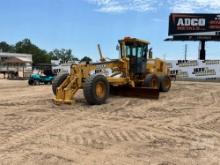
58, 67
202, 70
15, 65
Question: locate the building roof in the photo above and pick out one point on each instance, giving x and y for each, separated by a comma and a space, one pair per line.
133, 40
18, 58
6, 54
24, 59
13, 60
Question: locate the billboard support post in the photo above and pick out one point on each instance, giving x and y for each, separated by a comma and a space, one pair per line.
202, 54
186, 49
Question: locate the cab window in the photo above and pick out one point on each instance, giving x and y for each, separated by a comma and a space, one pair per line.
136, 51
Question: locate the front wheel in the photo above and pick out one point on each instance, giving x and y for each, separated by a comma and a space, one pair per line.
96, 89
31, 81
58, 81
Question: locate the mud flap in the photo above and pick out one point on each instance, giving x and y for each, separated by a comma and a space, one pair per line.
140, 92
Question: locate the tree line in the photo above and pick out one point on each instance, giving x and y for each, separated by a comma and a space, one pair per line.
40, 56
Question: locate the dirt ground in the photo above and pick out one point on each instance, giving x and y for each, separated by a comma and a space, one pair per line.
182, 127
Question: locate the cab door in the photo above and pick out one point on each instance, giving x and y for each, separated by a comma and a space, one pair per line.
138, 58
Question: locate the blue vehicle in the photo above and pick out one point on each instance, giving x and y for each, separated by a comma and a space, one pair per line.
37, 79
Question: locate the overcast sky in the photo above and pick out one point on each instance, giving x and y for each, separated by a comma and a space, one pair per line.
81, 24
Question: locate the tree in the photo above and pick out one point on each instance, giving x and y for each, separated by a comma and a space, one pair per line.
86, 59
64, 54
5, 47
39, 55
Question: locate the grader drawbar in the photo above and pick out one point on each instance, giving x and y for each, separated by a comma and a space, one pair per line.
132, 75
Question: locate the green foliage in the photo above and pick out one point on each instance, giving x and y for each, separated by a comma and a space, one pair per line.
39, 55
5, 47
86, 59
64, 54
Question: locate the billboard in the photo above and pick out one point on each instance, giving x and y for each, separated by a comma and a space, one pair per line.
194, 24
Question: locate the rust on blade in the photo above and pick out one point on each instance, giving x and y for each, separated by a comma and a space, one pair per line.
140, 92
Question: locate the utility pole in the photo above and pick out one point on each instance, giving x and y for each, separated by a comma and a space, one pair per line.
186, 50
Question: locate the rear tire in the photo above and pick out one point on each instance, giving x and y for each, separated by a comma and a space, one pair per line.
96, 89
165, 83
151, 81
58, 81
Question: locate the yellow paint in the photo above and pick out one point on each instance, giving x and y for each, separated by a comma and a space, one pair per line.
79, 72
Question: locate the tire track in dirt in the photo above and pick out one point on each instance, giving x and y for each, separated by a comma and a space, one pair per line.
171, 127
25, 102
45, 126
96, 139
100, 138
40, 154
25, 119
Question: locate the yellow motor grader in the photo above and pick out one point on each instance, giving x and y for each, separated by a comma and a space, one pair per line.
133, 74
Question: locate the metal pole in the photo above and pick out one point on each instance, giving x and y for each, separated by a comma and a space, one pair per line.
102, 59
202, 53
186, 49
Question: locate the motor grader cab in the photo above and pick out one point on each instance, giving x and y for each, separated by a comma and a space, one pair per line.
130, 75
136, 51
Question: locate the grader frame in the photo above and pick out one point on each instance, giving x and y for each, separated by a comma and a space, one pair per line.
131, 75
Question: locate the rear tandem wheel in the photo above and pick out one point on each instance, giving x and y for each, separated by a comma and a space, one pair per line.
165, 83
151, 81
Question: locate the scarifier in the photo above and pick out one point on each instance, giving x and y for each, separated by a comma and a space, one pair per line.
132, 75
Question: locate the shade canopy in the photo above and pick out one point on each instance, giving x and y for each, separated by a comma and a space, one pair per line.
14, 60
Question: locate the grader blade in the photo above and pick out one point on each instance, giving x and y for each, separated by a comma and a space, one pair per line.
140, 92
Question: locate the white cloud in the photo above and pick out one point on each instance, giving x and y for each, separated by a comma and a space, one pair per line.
120, 6
195, 5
